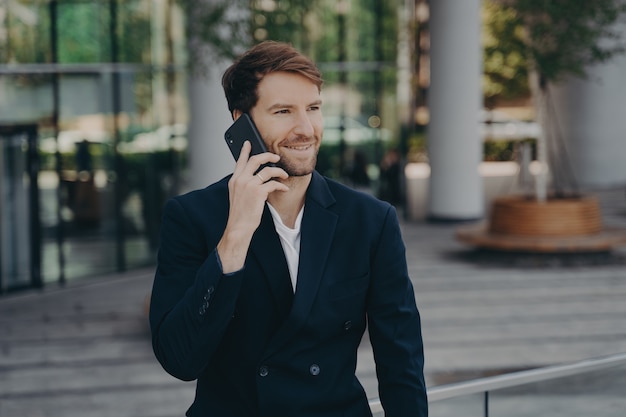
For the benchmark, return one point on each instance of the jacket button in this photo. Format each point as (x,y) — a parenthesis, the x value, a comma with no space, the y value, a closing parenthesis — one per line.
(264,371)
(209,293)
(314,369)
(202,310)
(347,325)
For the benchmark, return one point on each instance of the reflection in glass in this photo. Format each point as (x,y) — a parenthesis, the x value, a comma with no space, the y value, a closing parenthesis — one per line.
(111,137)
(15,242)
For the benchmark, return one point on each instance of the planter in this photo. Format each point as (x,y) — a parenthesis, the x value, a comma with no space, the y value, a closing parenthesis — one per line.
(518,223)
(521,216)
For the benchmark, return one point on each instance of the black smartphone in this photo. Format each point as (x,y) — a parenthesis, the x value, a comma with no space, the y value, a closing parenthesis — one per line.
(243,129)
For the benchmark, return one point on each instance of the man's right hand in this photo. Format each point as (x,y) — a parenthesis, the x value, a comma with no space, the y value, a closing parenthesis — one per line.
(248,193)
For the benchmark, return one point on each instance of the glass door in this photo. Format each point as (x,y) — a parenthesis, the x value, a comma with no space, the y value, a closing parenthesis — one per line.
(19,217)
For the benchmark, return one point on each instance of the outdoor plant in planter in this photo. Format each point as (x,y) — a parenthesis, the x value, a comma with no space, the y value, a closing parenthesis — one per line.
(557,38)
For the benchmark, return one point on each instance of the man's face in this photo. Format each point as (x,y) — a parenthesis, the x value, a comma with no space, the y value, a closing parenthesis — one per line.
(289,117)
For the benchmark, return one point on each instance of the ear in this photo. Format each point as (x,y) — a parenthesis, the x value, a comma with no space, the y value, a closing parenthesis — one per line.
(237,114)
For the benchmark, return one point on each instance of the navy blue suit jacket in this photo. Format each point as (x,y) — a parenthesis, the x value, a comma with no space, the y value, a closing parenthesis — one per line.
(258,349)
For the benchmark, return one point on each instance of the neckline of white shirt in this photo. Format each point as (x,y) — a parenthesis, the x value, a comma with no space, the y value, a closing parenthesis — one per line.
(279,222)
(290,242)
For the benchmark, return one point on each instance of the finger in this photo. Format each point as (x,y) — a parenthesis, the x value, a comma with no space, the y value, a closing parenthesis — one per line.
(257,161)
(259,176)
(269,172)
(271,186)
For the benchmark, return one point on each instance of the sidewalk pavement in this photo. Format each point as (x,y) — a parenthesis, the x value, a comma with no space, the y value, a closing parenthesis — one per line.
(84,350)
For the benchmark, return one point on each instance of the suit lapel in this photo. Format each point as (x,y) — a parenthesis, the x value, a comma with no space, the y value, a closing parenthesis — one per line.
(269,254)
(318,229)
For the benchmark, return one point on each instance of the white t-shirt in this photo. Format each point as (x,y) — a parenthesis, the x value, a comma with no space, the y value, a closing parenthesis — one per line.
(290,241)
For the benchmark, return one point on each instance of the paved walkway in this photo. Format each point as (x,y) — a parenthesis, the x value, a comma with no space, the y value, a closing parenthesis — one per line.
(85,350)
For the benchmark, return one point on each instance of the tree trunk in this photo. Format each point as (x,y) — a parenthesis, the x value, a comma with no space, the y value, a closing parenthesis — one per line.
(539,87)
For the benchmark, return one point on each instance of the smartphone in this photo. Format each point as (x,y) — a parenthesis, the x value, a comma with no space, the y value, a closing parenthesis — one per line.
(243,129)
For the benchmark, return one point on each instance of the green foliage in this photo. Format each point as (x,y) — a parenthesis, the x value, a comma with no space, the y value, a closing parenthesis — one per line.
(554,37)
(134,32)
(563,37)
(365,45)
(417,147)
(25,41)
(82,30)
(505,63)
(498,150)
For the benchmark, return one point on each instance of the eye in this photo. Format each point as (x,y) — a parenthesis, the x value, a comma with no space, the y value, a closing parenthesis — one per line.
(314,108)
(282,111)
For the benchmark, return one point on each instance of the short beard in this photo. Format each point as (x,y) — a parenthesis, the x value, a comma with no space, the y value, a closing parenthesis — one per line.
(297,171)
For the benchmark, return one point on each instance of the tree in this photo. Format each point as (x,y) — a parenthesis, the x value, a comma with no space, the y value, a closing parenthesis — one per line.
(505,65)
(560,38)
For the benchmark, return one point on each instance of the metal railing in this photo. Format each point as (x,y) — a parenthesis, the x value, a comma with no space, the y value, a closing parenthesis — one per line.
(515,379)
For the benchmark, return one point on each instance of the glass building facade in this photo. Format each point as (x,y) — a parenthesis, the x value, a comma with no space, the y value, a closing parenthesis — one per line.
(93,116)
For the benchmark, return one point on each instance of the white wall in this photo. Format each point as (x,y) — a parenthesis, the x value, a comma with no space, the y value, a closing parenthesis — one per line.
(592,115)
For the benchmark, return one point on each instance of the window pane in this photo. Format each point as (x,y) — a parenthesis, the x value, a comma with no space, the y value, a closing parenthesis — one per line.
(24,33)
(83,32)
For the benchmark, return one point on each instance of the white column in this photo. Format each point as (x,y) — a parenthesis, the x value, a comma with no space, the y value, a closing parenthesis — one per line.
(592,116)
(209,157)
(454,101)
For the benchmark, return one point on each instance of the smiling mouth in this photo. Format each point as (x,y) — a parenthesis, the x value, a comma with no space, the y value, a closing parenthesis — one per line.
(299,147)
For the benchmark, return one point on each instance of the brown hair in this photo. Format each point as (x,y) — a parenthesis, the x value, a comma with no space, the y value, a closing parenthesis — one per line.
(241,79)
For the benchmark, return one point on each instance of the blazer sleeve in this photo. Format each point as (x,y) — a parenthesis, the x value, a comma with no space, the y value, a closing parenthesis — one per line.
(192,302)
(394,327)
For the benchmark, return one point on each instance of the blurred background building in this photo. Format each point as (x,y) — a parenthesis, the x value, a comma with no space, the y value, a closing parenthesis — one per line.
(93,113)
(109,107)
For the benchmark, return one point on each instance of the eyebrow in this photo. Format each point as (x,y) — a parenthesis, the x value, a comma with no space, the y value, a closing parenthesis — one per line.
(289,106)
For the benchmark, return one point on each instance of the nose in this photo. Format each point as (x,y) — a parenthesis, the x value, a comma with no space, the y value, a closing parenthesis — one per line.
(304,124)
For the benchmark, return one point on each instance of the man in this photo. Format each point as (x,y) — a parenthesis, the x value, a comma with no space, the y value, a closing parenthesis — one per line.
(266,281)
